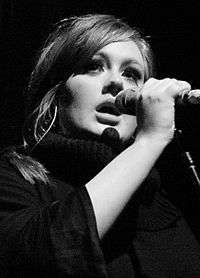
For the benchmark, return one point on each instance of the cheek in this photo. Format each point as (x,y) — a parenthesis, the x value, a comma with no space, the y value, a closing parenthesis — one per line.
(80,85)
(82,90)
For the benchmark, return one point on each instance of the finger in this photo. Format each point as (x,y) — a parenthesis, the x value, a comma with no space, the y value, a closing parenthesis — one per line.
(183,88)
(194,96)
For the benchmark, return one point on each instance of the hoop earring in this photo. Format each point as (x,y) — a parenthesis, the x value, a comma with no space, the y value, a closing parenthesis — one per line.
(46,130)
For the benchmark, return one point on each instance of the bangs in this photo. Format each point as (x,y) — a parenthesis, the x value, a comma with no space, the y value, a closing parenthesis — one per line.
(92,36)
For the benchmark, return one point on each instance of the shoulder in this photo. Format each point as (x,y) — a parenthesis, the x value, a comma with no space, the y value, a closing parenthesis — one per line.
(14,185)
(14,189)
(8,173)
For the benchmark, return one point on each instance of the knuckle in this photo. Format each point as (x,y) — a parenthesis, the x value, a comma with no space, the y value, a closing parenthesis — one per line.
(183,85)
(168,79)
(151,80)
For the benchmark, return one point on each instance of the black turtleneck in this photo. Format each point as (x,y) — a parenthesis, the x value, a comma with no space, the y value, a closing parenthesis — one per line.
(50,231)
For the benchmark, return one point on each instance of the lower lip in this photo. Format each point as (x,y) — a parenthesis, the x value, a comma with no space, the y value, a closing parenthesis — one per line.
(108,119)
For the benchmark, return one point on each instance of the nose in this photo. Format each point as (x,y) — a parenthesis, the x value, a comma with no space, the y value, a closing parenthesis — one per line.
(113,88)
(113,82)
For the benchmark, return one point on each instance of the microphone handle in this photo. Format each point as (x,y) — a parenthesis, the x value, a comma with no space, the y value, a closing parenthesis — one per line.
(126,100)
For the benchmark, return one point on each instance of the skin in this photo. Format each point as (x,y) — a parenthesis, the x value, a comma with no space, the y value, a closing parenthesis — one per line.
(120,64)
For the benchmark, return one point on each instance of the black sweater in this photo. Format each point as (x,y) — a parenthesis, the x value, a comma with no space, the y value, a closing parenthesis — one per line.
(50,230)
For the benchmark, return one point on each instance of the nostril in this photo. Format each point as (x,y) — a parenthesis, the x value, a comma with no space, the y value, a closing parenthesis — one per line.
(113,88)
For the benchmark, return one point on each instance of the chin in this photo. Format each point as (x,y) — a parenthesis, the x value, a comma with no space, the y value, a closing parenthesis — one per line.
(124,134)
(125,139)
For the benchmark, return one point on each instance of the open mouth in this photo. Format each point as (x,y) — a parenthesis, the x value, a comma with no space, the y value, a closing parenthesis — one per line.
(108,108)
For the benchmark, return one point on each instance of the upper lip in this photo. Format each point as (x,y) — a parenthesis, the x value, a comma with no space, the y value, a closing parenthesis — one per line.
(108,107)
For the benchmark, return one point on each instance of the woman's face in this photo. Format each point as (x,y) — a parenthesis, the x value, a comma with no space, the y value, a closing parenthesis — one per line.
(115,67)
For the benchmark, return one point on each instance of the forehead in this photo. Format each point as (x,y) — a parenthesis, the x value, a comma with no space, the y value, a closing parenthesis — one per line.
(122,51)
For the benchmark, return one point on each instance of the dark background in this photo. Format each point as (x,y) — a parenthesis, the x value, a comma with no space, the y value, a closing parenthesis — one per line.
(175,38)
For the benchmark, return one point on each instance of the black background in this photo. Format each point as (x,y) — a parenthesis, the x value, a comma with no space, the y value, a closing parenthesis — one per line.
(172,26)
(175,37)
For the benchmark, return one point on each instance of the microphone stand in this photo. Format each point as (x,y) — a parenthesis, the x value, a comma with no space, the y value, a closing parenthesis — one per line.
(192,214)
(189,162)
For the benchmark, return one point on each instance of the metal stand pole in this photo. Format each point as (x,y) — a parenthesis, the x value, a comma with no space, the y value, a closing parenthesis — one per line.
(188,160)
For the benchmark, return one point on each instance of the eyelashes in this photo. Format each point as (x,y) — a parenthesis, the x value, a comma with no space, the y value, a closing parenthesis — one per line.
(96,66)
(132,74)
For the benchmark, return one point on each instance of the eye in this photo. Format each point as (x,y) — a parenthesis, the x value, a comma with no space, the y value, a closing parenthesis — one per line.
(94,66)
(132,74)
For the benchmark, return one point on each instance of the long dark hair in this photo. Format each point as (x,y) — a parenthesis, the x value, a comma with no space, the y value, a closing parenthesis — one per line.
(71,44)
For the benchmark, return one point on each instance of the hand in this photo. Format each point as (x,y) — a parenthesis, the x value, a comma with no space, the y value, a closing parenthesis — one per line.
(155,107)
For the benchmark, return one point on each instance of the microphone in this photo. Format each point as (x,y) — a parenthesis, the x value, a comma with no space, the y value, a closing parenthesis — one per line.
(126,100)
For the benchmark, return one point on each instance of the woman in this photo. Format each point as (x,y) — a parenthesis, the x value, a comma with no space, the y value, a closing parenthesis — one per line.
(81,197)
